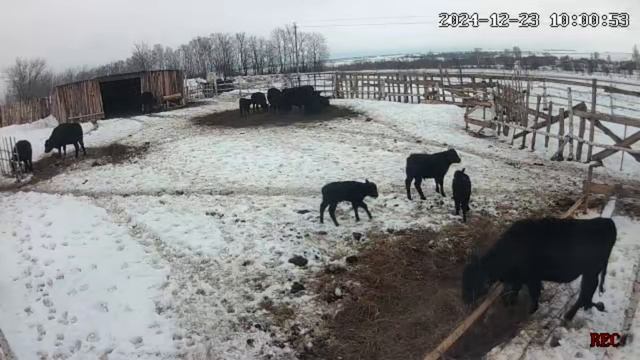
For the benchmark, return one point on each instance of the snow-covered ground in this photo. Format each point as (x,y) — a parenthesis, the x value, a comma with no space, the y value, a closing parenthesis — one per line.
(196,233)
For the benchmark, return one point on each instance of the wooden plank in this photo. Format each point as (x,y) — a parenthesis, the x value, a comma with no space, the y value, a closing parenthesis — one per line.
(613,136)
(546,139)
(561,131)
(618,119)
(626,143)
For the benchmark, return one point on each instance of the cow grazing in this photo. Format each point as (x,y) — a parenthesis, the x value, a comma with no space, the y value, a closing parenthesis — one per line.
(351,191)
(22,153)
(275,98)
(548,249)
(461,187)
(63,135)
(148,101)
(245,106)
(259,100)
(427,166)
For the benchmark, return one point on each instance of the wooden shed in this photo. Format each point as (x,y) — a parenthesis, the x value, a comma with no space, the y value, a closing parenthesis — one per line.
(115,95)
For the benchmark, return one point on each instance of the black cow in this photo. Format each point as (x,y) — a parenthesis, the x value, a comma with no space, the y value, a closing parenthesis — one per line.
(22,153)
(63,135)
(245,106)
(427,166)
(297,96)
(258,99)
(351,191)
(275,98)
(148,101)
(461,187)
(548,249)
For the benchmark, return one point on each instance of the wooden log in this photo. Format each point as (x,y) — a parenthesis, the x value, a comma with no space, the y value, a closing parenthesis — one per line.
(618,119)
(546,140)
(172,97)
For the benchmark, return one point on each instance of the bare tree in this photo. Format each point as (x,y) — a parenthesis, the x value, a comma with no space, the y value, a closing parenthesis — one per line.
(141,58)
(318,51)
(158,56)
(28,79)
(636,55)
(517,52)
(224,54)
(242,47)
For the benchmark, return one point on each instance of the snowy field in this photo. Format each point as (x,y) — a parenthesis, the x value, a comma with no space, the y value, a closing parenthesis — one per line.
(183,251)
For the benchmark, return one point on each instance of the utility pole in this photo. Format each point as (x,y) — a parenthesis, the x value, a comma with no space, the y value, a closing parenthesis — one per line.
(295,39)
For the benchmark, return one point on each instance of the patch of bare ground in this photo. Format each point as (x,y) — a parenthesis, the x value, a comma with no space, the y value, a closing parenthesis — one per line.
(233,119)
(401,296)
(52,164)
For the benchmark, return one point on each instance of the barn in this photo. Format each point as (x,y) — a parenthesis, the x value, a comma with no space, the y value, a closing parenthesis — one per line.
(115,95)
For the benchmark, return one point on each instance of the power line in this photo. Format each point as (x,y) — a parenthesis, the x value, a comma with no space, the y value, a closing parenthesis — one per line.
(372,18)
(369,24)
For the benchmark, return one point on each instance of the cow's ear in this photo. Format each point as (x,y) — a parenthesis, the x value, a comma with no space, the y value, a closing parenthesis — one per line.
(463,170)
(366,181)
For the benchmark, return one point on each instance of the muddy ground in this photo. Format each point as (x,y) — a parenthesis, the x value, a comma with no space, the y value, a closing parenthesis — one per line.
(52,164)
(233,119)
(401,296)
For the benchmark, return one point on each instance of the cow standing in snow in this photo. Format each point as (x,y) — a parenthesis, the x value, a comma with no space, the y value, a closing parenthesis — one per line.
(461,187)
(429,166)
(351,191)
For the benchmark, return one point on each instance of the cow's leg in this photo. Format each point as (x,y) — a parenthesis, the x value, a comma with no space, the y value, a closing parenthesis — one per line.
(84,151)
(464,215)
(64,147)
(355,210)
(441,181)
(418,182)
(332,212)
(323,207)
(510,293)
(588,287)
(457,206)
(366,208)
(75,146)
(437,185)
(535,288)
(407,184)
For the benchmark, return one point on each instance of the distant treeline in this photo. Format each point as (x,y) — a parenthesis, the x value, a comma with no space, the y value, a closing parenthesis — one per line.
(499,60)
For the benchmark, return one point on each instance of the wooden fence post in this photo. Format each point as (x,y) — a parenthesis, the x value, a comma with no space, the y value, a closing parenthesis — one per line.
(550,112)
(535,124)
(561,134)
(570,103)
(594,92)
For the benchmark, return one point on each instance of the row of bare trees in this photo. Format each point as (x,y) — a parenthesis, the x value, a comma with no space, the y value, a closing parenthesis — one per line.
(223,53)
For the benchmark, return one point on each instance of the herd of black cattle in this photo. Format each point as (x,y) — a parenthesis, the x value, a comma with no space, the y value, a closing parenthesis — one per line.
(529,252)
(303,97)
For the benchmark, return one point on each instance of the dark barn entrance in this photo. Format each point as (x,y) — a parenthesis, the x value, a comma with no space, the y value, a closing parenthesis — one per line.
(121,97)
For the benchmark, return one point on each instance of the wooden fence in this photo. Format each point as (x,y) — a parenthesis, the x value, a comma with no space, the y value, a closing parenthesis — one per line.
(24,112)
(523,106)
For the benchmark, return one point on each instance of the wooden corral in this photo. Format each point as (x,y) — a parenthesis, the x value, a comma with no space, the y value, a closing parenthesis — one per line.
(24,112)
(88,100)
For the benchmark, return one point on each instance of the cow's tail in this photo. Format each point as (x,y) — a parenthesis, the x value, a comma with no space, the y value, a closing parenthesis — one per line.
(603,273)
(613,237)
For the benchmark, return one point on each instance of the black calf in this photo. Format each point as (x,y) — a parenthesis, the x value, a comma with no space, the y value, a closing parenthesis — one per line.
(351,191)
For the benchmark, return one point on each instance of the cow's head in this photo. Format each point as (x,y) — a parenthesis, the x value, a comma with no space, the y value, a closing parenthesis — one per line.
(48,146)
(452,156)
(475,281)
(372,189)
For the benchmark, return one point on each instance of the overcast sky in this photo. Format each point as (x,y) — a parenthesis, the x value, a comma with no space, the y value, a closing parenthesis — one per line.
(91,32)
